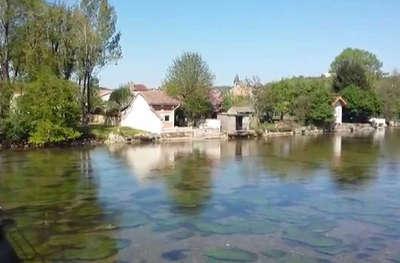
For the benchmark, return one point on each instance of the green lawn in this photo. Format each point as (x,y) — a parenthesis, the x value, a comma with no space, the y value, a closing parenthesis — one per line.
(101,132)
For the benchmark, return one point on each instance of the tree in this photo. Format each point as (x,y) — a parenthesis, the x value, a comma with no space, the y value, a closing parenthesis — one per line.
(189,79)
(47,112)
(388,90)
(320,110)
(306,99)
(361,104)
(356,67)
(99,43)
(120,99)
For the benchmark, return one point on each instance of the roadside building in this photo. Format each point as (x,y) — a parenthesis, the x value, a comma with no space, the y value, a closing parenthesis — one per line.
(152,111)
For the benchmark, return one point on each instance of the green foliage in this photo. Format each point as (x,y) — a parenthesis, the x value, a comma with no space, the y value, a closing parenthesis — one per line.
(388,90)
(320,108)
(101,132)
(49,132)
(121,97)
(355,67)
(306,99)
(189,79)
(47,112)
(70,41)
(361,104)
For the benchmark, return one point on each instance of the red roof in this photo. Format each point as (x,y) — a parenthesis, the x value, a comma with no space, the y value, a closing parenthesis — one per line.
(138,88)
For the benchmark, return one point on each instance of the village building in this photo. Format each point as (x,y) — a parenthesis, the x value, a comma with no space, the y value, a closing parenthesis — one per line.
(136,88)
(105,93)
(338,105)
(236,121)
(152,111)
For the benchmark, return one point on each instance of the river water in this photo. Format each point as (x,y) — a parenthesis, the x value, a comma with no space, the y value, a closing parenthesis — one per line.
(295,199)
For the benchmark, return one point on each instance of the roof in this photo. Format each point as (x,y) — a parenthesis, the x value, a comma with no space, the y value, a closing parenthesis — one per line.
(158,98)
(138,88)
(241,110)
(339,99)
(104,92)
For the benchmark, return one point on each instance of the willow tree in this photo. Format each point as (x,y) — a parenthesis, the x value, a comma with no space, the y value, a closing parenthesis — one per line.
(189,79)
(99,44)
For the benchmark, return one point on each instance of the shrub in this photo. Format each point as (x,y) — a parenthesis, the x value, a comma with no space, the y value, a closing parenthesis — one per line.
(47,112)
(361,104)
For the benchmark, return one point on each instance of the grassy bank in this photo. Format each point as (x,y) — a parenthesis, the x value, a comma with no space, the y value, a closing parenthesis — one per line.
(101,132)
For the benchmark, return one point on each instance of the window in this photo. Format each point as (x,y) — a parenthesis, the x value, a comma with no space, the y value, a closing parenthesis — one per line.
(166,118)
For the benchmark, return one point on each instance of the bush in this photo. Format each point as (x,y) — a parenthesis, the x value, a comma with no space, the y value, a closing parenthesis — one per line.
(47,112)
(361,104)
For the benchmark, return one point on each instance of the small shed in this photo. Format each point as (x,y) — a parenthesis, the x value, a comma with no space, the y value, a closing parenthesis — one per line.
(236,120)
(338,105)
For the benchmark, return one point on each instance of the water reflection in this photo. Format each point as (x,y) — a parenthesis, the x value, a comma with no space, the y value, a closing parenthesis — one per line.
(294,157)
(327,198)
(52,197)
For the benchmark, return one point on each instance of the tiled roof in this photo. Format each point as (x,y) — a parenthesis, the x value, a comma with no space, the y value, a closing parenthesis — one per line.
(241,110)
(104,92)
(138,88)
(159,98)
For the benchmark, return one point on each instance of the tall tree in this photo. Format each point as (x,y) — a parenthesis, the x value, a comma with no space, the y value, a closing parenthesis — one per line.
(356,67)
(99,43)
(190,79)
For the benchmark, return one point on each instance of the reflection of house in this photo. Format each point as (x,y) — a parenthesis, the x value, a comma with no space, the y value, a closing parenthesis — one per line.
(145,160)
(236,120)
(150,111)
(338,104)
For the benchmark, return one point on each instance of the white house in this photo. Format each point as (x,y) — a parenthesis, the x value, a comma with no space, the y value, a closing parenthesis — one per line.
(152,111)
(338,105)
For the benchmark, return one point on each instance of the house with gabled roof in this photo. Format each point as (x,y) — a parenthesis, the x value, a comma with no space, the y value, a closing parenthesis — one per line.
(151,110)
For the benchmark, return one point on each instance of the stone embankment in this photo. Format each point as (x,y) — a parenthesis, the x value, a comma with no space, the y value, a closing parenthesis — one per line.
(357,128)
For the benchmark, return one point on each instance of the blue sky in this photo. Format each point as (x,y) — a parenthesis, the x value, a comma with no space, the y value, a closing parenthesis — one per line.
(270,39)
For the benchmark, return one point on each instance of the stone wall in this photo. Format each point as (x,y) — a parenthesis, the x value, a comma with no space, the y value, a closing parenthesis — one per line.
(362,128)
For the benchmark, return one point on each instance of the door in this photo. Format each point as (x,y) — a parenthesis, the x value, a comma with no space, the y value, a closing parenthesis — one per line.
(239,123)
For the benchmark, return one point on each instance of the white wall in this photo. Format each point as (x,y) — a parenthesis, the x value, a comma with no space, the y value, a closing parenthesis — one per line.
(338,113)
(140,116)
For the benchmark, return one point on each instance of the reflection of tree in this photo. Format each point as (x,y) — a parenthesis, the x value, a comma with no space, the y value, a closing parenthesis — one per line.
(53,200)
(295,157)
(358,159)
(189,184)
(299,157)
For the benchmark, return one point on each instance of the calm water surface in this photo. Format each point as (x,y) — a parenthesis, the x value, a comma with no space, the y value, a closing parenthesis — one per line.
(302,199)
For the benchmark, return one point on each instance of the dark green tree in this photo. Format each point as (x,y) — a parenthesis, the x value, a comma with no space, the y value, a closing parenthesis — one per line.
(356,67)
(361,104)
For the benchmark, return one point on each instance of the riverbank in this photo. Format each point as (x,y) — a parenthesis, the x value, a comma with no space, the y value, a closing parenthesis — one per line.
(121,135)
